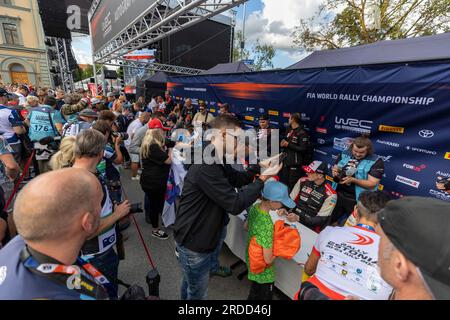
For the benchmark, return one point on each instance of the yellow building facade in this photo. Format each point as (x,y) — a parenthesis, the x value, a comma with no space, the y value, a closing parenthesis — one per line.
(23,54)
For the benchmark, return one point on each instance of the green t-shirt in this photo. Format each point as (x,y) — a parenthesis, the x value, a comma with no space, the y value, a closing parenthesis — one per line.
(260,225)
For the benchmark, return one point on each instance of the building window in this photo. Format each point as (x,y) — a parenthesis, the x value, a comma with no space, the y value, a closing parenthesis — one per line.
(6,2)
(11,33)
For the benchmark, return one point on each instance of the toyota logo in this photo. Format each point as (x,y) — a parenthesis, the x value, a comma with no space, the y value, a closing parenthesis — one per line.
(426,134)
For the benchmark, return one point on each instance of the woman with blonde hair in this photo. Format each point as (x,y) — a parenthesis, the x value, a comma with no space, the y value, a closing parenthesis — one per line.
(156,159)
(65,157)
(31,102)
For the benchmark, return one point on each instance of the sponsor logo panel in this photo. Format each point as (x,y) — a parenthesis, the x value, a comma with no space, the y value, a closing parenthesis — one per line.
(391,129)
(407,181)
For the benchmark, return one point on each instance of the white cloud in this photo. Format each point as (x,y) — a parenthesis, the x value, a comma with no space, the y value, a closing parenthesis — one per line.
(275,23)
(81,46)
(82,57)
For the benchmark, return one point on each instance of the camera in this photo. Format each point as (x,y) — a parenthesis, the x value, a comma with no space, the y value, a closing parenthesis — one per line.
(446,183)
(122,135)
(341,175)
(136,208)
(52,143)
(349,171)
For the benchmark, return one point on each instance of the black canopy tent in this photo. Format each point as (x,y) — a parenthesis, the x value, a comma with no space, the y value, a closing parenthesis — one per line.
(427,48)
(225,68)
(156,85)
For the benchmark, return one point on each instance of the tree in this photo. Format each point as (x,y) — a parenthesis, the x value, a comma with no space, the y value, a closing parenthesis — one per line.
(238,53)
(262,54)
(344,23)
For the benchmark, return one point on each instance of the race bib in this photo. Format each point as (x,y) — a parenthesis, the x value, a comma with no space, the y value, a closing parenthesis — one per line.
(106,240)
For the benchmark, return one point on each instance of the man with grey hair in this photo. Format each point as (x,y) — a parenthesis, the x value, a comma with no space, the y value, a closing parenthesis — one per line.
(41,262)
(414,252)
(99,249)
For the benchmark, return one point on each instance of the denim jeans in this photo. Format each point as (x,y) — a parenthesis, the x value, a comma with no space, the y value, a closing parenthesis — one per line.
(108,264)
(195,268)
(215,263)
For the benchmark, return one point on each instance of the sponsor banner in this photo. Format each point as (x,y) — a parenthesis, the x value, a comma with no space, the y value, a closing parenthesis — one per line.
(406,116)
(249,118)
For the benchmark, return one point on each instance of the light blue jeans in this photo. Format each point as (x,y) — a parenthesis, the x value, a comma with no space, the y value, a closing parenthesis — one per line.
(195,268)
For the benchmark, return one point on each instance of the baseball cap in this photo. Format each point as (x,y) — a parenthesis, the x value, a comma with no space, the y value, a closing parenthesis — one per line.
(172,118)
(95,101)
(111,94)
(276,191)
(3,92)
(316,167)
(419,228)
(88,113)
(155,123)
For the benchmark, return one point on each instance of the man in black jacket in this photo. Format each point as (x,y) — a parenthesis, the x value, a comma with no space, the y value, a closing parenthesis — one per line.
(297,147)
(208,194)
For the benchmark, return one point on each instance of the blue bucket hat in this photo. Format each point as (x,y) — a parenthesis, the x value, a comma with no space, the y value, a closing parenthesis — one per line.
(276,191)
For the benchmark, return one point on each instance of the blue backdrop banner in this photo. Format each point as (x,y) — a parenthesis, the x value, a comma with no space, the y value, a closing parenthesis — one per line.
(405,108)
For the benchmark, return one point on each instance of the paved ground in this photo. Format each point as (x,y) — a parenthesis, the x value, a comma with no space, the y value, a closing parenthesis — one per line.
(135,267)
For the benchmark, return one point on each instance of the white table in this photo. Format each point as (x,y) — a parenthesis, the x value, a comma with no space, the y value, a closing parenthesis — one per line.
(288,273)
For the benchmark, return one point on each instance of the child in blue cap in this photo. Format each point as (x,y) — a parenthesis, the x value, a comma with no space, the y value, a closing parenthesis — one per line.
(275,196)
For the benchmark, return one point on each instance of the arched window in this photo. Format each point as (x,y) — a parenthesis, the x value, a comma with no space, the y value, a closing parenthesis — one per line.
(17,67)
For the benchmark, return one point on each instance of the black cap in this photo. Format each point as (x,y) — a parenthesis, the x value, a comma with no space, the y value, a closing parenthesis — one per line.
(316,167)
(24,87)
(172,118)
(420,229)
(3,92)
(264,117)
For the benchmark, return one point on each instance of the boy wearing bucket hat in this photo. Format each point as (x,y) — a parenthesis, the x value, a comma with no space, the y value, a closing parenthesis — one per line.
(260,235)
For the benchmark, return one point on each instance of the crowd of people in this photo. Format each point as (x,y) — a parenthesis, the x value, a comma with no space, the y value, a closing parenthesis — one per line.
(68,245)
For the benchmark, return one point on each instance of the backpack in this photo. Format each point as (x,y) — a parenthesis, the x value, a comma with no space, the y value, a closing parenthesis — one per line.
(286,240)
(286,244)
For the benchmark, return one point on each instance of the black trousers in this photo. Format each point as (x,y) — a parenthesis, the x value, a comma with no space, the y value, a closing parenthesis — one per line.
(126,155)
(260,291)
(156,199)
(289,175)
(344,207)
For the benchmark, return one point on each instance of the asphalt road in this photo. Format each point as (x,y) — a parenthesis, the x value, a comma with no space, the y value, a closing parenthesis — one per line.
(134,268)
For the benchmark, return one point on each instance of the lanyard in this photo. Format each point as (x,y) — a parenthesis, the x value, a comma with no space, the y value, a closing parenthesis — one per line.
(365,226)
(82,277)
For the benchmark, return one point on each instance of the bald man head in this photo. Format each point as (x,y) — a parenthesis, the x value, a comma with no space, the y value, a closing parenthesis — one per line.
(59,205)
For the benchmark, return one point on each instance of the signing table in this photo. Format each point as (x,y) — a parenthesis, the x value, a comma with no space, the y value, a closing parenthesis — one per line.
(288,273)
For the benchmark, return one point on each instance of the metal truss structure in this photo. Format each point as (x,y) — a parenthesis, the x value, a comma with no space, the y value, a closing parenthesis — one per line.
(62,60)
(153,66)
(161,19)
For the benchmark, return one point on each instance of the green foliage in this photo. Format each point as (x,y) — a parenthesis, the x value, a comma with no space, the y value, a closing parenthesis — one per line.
(262,54)
(344,23)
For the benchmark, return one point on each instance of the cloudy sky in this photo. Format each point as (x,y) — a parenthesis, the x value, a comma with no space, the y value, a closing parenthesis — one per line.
(270,21)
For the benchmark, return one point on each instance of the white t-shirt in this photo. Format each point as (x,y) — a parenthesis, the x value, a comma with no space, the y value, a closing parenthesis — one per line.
(22,98)
(348,262)
(132,128)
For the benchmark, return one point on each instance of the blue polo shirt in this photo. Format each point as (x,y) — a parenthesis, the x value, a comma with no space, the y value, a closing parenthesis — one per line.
(18,283)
